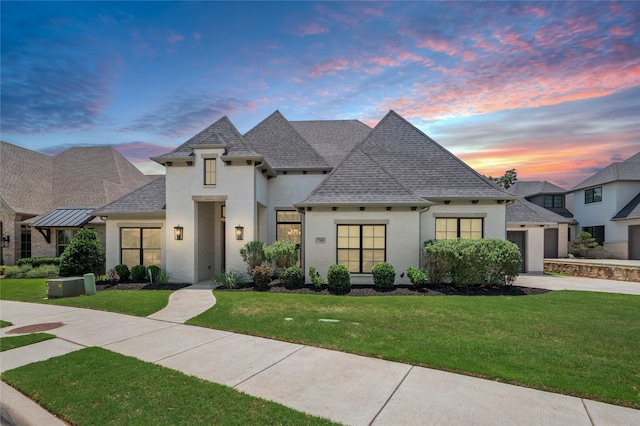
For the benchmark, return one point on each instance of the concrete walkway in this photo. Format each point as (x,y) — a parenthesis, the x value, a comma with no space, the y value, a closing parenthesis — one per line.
(187,303)
(346,388)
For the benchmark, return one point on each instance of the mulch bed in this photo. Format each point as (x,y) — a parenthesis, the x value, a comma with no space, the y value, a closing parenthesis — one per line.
(145,285)
(370,290)
(360,290)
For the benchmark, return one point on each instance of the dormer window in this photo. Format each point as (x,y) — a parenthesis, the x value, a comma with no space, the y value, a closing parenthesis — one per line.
(209,171)
(553,201)
(593,195)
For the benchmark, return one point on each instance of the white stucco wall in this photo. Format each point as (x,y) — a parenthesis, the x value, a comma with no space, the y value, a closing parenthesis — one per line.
(235,187)
(403,238)
(284,191)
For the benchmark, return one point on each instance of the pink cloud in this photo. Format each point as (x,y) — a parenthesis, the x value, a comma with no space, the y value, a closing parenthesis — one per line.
(175,38)
(621,32)
(330,67)
(312,29)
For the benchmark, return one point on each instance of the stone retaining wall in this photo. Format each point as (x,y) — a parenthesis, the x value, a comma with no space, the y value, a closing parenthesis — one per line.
(605,272)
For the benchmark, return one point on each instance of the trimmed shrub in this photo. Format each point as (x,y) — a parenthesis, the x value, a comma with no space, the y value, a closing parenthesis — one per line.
(253,254)
(384,275)
(229,279)
(339,279)
(123,272)
(262,276)
(418,277)
(83,255)
(38,261)
(155,270)
(28,271)
(465,262)
(139,273)
(316,279)
(281,255)
(584,245)
(293,277)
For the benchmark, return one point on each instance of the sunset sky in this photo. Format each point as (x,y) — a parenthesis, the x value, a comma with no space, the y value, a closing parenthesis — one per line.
(550,89)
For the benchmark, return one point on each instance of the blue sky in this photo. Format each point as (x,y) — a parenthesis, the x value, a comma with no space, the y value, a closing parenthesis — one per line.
(551,89)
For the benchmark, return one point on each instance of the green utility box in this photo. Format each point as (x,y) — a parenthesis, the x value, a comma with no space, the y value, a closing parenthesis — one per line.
(64,287)
(89,284)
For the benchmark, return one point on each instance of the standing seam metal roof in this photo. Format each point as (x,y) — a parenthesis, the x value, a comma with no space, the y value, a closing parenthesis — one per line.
(63,217)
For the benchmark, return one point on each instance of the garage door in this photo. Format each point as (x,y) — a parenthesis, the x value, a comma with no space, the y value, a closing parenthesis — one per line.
(551,243)
(634,242)
(518,238)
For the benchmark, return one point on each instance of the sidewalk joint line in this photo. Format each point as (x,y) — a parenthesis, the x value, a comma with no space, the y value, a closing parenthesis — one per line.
(269,366)
(587,411)
(391,395)
(197,346)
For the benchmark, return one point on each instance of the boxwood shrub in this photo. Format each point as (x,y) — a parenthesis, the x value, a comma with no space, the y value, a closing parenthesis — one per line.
(418,277)
(38,261)
(139,273)
(465,262)
(293,277)
(384,275)
(339,279)
(123,272)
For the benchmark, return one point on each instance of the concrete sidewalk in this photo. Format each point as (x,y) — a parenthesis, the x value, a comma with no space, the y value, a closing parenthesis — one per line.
(554,282)
(346,388)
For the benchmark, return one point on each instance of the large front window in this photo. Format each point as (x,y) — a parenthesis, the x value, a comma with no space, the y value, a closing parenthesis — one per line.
(209,171)
(593,195)
(140,246)
(360,247)
(450,228)
(25,242)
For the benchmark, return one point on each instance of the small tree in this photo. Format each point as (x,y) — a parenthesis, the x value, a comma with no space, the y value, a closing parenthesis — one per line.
(83,255)
(582,245)
(253,254)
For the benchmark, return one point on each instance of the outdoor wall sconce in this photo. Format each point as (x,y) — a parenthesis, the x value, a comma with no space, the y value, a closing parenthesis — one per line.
(239,232)
(5,241)
(178,232)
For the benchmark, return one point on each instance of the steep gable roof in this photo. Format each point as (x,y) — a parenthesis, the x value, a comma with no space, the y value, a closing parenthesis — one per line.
(221,133)
(523,211)
(628,170)
(332,139)
(398,156)
(531,188)
(150,198)
(282,146)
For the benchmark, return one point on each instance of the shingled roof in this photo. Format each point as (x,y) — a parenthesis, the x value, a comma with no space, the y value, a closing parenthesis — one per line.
(332,139)
(533,187)
(523,211)
(628,170)
(150,198)
(222,134)
(283,147)
(32,183)
(399,159)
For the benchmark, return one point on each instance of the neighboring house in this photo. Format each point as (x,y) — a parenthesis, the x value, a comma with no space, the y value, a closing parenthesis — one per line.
(343,191)
(45,199)
(558,227)
(606,206)
(538,232)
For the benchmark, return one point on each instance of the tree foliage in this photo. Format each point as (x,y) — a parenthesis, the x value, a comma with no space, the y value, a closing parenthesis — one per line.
(584,245)
(83,255)
(506,181)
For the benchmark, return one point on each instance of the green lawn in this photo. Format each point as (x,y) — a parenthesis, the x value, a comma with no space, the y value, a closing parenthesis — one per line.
(94,386)
(5,324)
(577,343)
(12,342)
(134,302)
